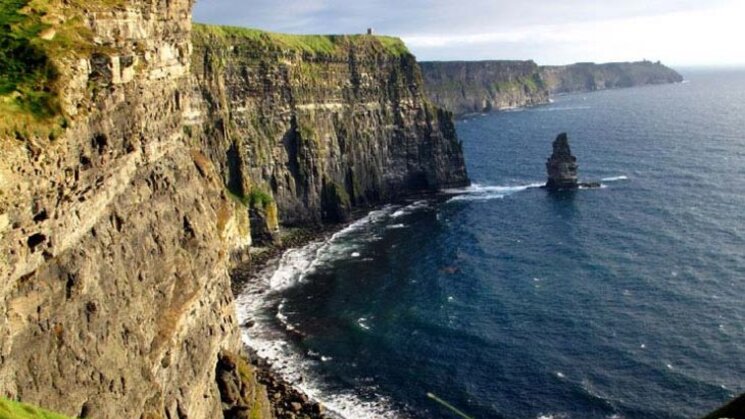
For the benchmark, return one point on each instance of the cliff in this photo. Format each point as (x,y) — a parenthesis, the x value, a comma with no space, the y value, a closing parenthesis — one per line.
(733,410)
(322,123)
(585,77)
(127,182)
(115,296)
(465,87)
(483,86)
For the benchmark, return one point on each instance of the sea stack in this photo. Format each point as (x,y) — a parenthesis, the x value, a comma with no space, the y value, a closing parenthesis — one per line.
(562,166)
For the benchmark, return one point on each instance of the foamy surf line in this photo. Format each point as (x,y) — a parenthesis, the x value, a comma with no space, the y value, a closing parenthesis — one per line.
(614,179)
(270,336)
(477,192)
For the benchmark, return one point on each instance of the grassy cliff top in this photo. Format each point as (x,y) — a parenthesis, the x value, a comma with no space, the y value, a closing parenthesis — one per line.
(36,38)
(15,410)
(311,44)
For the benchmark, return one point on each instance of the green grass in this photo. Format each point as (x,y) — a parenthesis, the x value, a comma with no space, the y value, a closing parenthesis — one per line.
(311,44)
(26,73)
(259,199)
(37,38)
(528,83)
(15,410)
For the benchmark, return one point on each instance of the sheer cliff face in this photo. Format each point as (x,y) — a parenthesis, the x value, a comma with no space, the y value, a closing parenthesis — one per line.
(584,77)
(483,86)
(323,123)
(114,297)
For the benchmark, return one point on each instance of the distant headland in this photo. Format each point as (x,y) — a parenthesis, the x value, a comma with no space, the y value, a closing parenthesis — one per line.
(466,87)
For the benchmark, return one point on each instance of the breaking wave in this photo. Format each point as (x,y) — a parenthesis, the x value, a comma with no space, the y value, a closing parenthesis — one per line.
(615,179)
(477,192)
(270,334)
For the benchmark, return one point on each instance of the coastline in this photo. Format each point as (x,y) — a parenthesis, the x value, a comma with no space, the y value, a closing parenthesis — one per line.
(286,400)
(290,397)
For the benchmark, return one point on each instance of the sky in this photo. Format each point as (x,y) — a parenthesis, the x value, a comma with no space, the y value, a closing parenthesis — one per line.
(677,32)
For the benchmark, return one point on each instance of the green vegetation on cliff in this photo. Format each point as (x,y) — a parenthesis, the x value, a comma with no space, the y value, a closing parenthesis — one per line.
(37,38)
(26,73)
(529,84)
(15,410)
(310,44)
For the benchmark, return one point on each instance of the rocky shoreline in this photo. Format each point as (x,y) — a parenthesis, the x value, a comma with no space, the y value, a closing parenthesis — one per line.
(286,401)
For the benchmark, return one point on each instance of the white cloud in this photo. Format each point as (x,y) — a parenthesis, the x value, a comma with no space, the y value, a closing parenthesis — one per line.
(548,31)
(712,36)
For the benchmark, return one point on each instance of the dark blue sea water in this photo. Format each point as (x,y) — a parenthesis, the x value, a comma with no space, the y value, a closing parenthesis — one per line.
(508,302)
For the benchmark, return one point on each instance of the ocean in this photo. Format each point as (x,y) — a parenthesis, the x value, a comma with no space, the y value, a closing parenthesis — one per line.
(506,301)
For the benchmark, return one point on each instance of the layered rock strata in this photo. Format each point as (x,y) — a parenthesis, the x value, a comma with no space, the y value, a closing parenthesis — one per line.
(115,296)
(322,123)
(466,87)
(116,234)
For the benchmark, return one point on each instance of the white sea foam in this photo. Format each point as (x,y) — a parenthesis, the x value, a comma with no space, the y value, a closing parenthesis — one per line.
(552,416)
(362,322)
(563,108)
(261,303)
(477,192)
(416,206)
(481,197)
(615,179)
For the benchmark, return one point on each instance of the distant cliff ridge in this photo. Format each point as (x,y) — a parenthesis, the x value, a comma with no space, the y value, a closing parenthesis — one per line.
(584,77)
(465,87)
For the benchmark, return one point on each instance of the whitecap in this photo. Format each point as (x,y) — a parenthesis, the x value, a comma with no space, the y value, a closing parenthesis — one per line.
(362,322)
(485,197)
(552,416)
(477,192)
(615,178)
(563,108)
(418,205)
(560,374)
